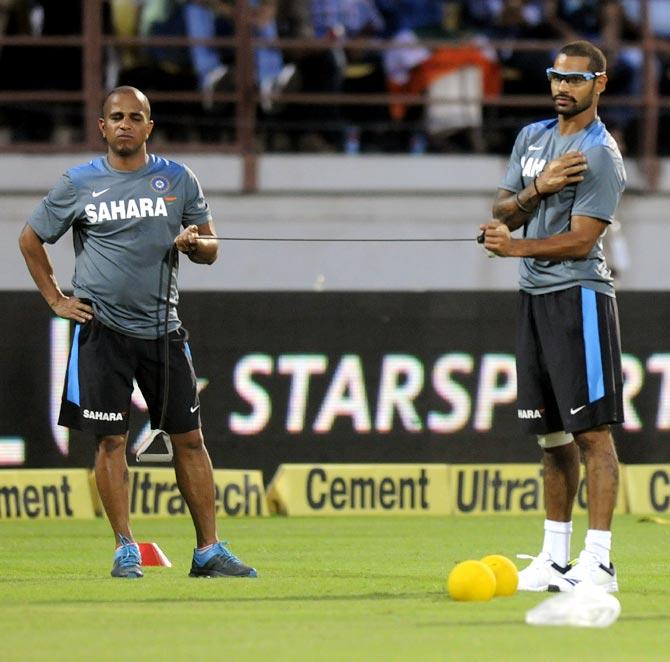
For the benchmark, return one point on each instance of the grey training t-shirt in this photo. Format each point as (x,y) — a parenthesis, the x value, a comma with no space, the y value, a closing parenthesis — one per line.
(596,196)
(123,226)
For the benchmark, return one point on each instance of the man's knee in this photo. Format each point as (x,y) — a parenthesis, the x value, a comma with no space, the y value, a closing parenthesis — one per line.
(112,443)
(554,439)
(600,436)
(189,441)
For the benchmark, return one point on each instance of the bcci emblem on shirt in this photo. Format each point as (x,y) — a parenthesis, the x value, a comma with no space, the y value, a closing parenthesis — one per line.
(160,184)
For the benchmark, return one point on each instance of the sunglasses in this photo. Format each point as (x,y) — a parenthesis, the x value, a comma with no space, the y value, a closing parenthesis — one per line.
(572,77)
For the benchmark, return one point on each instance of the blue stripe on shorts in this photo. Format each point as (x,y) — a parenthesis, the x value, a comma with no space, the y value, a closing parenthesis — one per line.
(73,369)
(594,364)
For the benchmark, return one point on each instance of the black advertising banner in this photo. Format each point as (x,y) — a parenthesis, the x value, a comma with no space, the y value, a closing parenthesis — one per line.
(336,377)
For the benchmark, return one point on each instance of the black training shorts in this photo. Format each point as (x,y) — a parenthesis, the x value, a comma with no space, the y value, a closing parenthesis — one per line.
(568,361)
(99,381)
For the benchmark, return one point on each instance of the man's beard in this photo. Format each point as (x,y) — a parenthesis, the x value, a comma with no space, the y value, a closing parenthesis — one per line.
(125,149)
(576,108)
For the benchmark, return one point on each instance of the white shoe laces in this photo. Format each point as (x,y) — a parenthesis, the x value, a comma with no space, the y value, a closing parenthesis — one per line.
(542,557)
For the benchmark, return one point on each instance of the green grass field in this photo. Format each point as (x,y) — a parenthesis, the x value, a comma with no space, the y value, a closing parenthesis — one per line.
(358,588)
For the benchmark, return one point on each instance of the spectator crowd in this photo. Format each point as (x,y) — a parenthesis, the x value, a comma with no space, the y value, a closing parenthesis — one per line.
(458,52)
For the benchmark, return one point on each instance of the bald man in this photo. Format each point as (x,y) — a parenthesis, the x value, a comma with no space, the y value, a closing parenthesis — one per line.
(127,210)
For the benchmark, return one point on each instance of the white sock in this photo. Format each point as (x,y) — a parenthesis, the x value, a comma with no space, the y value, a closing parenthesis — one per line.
(557,541)
(599,543)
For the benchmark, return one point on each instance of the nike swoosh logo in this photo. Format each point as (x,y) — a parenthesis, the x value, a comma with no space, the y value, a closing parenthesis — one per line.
(95,194)
(532,148)
(194,409)
(574,411)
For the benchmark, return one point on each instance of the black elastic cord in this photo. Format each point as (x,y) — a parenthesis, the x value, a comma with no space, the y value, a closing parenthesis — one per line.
(172,261)
(339,239)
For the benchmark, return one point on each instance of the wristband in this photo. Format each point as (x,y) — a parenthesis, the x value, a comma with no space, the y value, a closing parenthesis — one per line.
(519,205)
(537,190)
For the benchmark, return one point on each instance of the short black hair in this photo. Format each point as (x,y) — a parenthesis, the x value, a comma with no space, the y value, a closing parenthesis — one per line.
(127,89)
(597,59)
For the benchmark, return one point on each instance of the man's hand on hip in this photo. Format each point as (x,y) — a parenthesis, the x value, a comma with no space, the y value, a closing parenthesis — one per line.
(71,308)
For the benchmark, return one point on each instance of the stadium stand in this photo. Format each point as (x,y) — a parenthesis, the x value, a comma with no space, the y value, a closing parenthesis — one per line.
(369,76)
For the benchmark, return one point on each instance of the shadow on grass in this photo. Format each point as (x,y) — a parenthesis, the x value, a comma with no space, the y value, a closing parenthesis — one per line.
(248,599)
(332,574)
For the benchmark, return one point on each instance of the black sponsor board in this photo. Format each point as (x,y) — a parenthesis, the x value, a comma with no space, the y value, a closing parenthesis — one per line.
(341,377)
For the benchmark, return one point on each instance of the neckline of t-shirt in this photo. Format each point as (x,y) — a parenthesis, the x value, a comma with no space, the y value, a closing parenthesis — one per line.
(580,133)
(139,171)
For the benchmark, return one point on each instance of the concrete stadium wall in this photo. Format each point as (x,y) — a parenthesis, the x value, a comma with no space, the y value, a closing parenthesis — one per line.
(352,197)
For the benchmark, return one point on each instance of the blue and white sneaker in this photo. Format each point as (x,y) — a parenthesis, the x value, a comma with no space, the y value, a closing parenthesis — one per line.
(219,561)
(127,560)
(586,570)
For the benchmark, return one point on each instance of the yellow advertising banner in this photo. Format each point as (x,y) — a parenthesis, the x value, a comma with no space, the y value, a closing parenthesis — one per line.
(508,488)
(154,493)
(45,494)
(648,488)
(360,489)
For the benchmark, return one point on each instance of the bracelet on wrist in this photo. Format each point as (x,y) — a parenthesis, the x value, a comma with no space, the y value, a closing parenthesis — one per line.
(537,190)
(519,205)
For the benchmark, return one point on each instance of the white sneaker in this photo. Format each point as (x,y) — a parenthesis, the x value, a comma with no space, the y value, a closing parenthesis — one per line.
(540,573)
(587,569)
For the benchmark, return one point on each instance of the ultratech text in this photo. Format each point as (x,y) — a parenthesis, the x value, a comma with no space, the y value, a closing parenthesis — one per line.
(149,497)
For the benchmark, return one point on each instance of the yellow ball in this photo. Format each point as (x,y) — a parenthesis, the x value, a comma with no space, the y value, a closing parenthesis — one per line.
(471,581)
(507,576)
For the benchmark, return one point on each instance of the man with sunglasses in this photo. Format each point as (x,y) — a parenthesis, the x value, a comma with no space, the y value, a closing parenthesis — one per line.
(562,187)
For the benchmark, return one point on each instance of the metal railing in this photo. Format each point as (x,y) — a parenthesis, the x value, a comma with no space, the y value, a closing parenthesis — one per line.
(245,96)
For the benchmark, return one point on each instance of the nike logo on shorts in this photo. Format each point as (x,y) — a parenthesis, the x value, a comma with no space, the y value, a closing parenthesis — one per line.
(95,194)
(194,409)
(576,409)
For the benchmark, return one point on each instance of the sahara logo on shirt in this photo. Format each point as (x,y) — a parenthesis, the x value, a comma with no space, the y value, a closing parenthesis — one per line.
(531,166)
(121,210)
